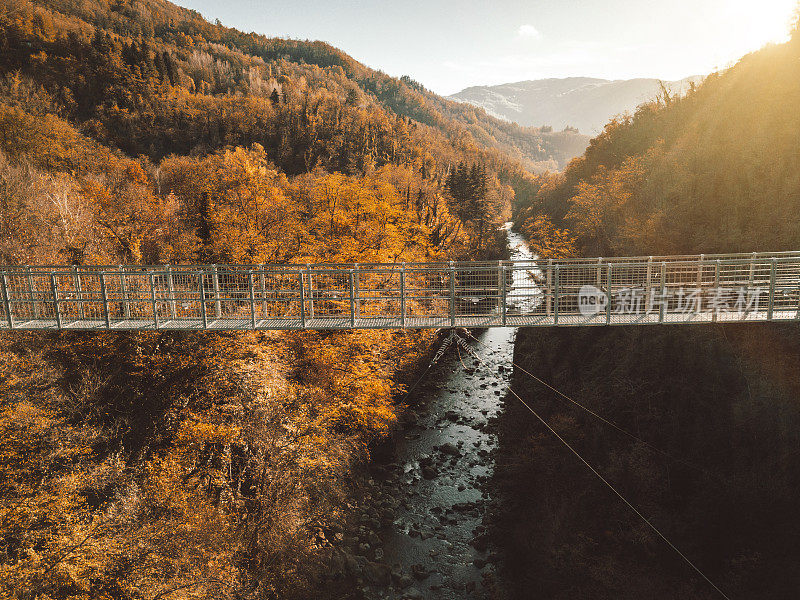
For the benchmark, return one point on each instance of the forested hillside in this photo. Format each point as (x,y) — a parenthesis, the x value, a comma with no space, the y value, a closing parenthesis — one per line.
(152,78)
(161,465)
(716,171)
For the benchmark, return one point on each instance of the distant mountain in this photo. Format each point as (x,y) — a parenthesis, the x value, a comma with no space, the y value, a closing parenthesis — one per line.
(582,102)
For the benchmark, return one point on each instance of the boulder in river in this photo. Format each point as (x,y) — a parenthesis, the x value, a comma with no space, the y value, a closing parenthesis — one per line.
(449,448)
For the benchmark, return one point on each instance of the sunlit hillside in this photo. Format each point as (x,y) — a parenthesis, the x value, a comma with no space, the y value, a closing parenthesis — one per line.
(715,171)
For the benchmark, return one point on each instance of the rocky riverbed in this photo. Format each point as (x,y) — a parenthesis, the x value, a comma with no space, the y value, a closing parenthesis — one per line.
(419,532)
(419,529)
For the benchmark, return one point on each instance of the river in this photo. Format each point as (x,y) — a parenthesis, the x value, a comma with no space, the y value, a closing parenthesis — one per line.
(422,535)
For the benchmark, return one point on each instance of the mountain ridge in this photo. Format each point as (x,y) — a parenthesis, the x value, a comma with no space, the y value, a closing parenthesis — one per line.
(585,103)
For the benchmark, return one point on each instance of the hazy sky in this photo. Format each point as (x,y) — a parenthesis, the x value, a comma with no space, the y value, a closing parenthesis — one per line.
(451,45)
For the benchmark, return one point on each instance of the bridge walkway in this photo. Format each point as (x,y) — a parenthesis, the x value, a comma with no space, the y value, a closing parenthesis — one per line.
(755,287)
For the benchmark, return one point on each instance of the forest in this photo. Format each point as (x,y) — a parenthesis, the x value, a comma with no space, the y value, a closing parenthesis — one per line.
(709,414)
(161,465)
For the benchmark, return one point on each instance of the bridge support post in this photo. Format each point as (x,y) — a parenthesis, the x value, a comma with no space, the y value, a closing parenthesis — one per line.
(104,294)
(31,292)
(173,308)
(310,293)
(76,279)
(503,294)
(500,274)
(700,266)
(715,313)
(403,297)
(201,284)
(355,286)
(662,308)
(556,277)
(549,291)
(217,301)
(263,281)
(301,277)
(123,286)
(252,299)
(648,285)
(772,272)
(7,301)
(153,299)
(452,295)
(56,308)
(352,281)
(609,295)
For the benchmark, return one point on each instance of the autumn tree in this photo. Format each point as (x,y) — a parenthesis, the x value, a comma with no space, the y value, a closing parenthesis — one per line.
(250,217)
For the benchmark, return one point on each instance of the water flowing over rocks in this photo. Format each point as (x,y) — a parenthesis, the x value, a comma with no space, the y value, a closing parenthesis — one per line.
(420,531)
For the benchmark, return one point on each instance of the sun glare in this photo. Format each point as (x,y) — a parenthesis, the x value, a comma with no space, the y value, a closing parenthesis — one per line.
(756,23)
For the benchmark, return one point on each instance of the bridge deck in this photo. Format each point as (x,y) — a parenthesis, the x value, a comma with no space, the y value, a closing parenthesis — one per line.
(621,291)
(395,323)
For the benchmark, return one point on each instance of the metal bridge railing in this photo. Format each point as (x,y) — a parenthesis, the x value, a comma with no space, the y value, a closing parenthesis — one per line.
(631,290)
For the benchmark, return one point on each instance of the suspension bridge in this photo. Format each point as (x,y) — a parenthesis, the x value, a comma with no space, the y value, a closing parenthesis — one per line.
(523,293)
